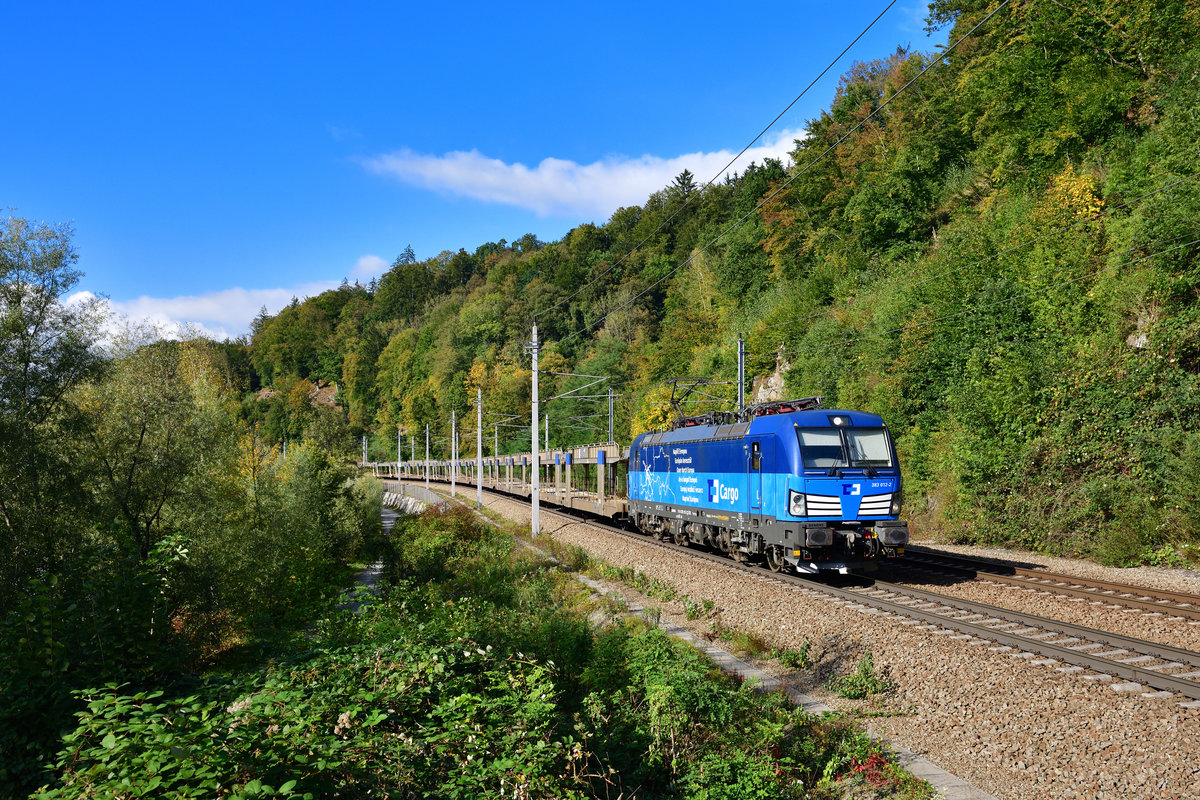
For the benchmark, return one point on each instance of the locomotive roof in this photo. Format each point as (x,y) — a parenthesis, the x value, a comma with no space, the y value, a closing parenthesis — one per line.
(770,423)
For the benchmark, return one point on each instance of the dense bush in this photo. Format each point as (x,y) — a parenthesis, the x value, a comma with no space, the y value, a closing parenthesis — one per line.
(184,536)
(464,681)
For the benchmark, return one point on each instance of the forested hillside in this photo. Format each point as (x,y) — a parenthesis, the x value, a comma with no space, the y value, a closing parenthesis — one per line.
(995,250)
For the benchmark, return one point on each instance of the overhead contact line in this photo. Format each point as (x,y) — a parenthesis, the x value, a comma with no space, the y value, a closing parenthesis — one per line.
(949,49)
(723,169)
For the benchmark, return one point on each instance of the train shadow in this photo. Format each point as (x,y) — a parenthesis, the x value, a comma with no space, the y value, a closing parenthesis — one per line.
(853,580)
(913,573)
(996,563)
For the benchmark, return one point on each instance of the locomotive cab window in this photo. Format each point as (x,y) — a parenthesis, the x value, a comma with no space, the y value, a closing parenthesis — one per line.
(868,447)
(821,448)
(844,448)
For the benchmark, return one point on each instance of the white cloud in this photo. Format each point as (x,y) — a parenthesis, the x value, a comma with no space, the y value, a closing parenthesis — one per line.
(560,187)
(221,314)
(367,267)
(341,134)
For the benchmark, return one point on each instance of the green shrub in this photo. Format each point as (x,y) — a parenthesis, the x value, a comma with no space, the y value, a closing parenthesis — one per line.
(1185,468)
(453,686)
(795,659)
(693,609)
(863,682)
(570,557)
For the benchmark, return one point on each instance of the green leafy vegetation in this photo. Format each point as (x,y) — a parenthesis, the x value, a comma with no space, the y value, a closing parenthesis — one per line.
(696,609)
(863,682)
(743,643)
(147,530)
(794,659)
(1001,261)
(465,679)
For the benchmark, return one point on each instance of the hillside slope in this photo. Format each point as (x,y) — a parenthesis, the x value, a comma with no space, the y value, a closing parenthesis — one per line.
(997,251)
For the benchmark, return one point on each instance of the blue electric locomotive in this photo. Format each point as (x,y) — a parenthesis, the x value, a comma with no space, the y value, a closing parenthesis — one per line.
(791,483)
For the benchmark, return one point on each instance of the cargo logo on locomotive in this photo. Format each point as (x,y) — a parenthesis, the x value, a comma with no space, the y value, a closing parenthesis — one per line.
(717,492)
(854,489)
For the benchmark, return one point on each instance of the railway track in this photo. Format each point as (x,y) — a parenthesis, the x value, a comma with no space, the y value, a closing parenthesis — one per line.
(1068,647)
(1176,604)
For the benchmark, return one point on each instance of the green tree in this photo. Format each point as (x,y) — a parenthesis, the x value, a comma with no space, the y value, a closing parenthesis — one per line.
(146,437)
(46,349)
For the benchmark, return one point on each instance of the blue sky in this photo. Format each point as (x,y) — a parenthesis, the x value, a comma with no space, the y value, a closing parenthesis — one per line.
(217,157)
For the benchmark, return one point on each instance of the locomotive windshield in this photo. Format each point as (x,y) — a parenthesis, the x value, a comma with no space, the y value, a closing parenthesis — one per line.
(846,448)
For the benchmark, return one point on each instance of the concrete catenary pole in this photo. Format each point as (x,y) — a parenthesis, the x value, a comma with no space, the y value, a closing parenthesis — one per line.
(478,447)
(427,456)
(534,484)
(453,448)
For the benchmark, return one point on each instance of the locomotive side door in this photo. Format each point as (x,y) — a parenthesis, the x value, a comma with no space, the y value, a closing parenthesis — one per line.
(762,459)
(755,466)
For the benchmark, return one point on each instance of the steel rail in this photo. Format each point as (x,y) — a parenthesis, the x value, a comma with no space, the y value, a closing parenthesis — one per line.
(1179,603)
(948,612)
(1114,663)
(1078,632)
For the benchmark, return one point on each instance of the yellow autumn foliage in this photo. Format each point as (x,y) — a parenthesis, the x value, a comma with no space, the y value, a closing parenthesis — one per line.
(1071,196)
(654,412)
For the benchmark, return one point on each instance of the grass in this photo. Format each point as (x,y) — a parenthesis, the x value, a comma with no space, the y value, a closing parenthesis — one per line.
(794,659)
(864,682)
(856,768)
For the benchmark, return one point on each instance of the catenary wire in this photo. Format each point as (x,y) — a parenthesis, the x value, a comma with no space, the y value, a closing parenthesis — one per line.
(949,49)
(720,172)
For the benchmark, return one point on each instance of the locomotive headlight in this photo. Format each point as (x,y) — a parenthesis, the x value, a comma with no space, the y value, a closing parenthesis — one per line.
(897,499)
(795,503)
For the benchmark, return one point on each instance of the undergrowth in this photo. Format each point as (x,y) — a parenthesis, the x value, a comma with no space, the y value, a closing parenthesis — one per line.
(863,682)
(466,680)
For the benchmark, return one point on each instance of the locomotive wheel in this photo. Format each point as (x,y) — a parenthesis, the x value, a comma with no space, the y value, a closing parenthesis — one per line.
(775,560)
(681,538)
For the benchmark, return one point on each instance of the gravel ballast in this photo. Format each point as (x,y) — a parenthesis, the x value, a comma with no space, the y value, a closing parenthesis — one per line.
(1154,626)
(1013,728)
